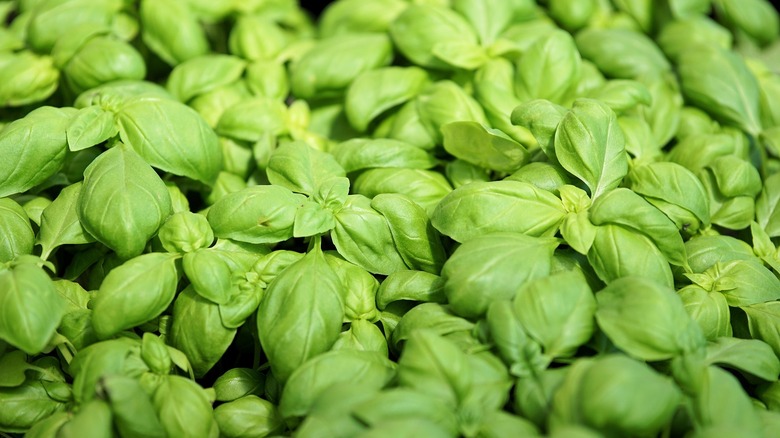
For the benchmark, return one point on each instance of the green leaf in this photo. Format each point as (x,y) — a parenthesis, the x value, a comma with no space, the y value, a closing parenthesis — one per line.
(674,190)
(485,207)
(425,187)
(307,287)
(249,413)
(202,74)
(590,145)
(171,136)
(131,407)
(627,209)
(375,91)
(542,118)
(429,316)
(12,368)
(301,168)
(615,394)
(522,355)
(493,267)
(549,69)
(362,369)
(30,307)
(312,219)
(410,286)
(197,331)
(709,309)
(135,292)
(768,206)
(60,223)
(257,214)
(723,405)
(433,365)
(338,61)
(171,30)
(719,82)
(362,336)
(744,282)
(557,311)
(238,382)
(253,119)
(92,125)
(621,53)
(122,202)
(358,291)
(27,78)
(646,319)
(484,147)
(748,355)
(363,153)
(405,403)
(363,236)
(762,322)
(421,27)
(33,148)
(619,252)
(416,240)
(183,407)
(16,229)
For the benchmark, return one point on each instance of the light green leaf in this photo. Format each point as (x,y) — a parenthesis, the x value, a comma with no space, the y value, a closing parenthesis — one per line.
(590,145)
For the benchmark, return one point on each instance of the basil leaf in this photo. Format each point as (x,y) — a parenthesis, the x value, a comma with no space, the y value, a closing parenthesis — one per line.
(674,190)
(60,223)
(560,322)
(621,53)
(301,168)
(719,82)
(197,331)
(375,91)
(153,127)
(412,286)
(748,355)
(420,27)
(484,147)
(249,413)
(92,125)
(549,69)
(15,226)
(30,307)
(618,252)
(504,261)
(417,241)
(497,206)
(338,60)
(425,187)
(307,287)
(762,322)
(767,203)
(360,153)
(646,319)
(171,31)
(34,148)
(590,145)
(257,214)
(365,370)
(183,407)
(122,202)
(199,75)
(363,236)
(709,309)
(625,208)
(433,365)
(135,292)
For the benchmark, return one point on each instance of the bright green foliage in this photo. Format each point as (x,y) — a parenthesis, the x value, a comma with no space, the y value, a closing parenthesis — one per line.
(435,218)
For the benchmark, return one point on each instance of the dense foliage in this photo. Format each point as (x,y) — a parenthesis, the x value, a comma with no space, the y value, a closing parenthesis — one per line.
(438,218)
